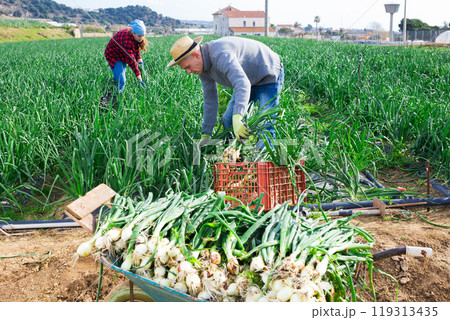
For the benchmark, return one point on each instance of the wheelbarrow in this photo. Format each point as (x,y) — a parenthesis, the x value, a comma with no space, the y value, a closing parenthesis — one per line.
(141,289)
(81,211)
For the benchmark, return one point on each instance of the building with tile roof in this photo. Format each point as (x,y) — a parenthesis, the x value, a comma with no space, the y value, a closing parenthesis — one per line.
(230,21)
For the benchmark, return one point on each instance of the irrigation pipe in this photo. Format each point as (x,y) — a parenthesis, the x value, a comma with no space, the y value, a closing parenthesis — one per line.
(445,201)
(372,179)
(410,251)
(440,187)
(38,224)
(350,212)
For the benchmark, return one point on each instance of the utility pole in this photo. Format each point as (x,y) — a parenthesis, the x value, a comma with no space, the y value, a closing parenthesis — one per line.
(404,25)
(266,20)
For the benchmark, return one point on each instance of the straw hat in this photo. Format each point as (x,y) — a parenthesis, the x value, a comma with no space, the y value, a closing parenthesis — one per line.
(182,48)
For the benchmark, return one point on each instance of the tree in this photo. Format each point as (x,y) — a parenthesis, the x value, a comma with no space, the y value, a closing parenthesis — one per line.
(17,14)
(285,31)
(316,20)
(376,26)
(414,24)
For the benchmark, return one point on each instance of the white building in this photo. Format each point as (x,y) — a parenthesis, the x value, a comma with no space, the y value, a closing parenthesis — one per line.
(230,21)
(57,24)
(194,31)
(296,31)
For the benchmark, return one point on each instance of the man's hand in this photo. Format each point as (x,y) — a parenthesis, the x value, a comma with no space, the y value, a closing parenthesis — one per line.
(204,139)
(240,129)
(143,84)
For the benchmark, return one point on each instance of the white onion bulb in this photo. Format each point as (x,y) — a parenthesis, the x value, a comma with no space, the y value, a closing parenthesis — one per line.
(126,264)
(215,257)
(185,267)
(173,252)
(257,264)
(285,293)
(181,287)
(165,282)
(277,285)
(232,289)
(85,249)
(100,243)
(204,295)
(193,282)
(127,233)
(172,274)
(160,272)
(114,234)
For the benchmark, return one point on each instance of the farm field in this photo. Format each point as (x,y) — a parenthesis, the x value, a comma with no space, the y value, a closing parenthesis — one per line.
(345,109)
(15,30)
(348,108)
(27,34)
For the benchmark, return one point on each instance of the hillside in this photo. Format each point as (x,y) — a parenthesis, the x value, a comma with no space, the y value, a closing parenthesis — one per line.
(47,9)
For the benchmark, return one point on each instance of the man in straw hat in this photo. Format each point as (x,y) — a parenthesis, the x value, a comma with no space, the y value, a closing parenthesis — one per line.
(248,66)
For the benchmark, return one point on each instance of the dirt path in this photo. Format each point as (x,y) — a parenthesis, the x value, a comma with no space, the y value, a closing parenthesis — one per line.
(56,277)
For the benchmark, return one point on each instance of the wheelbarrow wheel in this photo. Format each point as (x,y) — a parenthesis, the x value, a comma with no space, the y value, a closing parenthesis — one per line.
(121,293)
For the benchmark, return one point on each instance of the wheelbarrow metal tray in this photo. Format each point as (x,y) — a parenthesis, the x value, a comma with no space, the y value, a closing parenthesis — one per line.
(156,291)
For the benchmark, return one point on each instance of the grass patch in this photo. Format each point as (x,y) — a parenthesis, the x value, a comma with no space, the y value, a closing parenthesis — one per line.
(32,34)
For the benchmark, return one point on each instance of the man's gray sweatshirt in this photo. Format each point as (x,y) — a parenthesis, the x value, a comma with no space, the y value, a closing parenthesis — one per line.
(237,63)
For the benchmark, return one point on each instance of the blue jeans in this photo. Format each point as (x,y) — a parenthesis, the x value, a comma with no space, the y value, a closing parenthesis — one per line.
(119,74)
(268,97)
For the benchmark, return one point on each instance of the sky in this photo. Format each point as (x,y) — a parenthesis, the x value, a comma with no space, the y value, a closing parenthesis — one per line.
(337,14)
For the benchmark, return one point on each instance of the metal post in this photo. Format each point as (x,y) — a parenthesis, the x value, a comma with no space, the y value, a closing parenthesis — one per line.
(404,25)
(266,20)
(131,284)
(391,30)
(428,168)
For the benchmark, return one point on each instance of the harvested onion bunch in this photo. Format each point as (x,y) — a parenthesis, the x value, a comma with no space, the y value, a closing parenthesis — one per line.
(198,245)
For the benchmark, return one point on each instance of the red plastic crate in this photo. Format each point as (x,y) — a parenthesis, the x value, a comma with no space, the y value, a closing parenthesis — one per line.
(247,180)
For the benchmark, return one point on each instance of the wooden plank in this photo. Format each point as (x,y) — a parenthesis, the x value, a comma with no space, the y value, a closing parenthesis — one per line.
(377,203)
(88,222)
(92,200)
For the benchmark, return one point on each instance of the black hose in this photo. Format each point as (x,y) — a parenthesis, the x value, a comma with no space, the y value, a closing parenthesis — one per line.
(361,204)
(346,213)
(38,224)
(408,250)
(371,178)
(389,253)
(442,188)
(24,193)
